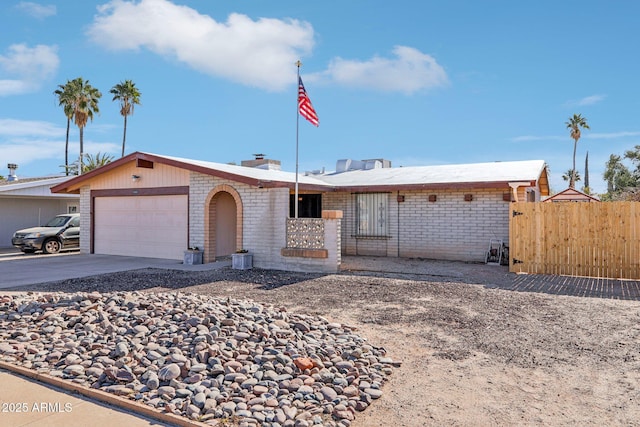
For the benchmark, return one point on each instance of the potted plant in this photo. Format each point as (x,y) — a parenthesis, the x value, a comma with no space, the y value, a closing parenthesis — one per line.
(192,256)
(241,260)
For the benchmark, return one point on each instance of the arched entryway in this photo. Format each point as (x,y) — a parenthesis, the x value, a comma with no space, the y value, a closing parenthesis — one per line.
(223,223)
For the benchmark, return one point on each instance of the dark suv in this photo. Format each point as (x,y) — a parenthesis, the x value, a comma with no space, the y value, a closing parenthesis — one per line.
(61,232)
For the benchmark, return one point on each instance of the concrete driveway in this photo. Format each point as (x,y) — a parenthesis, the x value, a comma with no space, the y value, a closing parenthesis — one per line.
(18,269)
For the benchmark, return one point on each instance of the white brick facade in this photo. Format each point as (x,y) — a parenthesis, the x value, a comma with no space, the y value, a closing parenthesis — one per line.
(85,219)
(264,214)
(437,223)
(449,228)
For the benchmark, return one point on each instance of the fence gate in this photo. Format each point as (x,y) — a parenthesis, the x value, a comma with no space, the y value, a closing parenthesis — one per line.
(575,239)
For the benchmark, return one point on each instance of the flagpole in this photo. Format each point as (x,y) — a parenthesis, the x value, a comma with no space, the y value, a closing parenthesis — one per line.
(295,201)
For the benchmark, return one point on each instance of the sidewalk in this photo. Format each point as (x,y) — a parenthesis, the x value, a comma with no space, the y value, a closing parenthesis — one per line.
(27,402)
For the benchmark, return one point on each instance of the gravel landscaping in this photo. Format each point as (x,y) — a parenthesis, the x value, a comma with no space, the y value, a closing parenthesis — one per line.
(382,349)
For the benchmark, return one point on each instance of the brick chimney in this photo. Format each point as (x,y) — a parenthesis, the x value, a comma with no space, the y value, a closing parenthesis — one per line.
(261,162)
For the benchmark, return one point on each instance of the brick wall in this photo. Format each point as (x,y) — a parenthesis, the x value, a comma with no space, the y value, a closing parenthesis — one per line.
(262,215)
(85,219)
(449,228)
(263,223)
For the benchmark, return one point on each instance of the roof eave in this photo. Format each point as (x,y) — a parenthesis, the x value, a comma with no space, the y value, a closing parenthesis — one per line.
(73,185)
(500,185)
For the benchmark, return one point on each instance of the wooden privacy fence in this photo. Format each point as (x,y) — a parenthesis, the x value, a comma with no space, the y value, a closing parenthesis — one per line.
(575,239)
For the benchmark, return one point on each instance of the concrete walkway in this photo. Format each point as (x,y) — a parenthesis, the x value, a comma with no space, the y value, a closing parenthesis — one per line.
(494,276)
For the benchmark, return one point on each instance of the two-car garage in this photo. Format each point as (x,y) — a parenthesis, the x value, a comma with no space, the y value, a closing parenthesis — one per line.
(154,226)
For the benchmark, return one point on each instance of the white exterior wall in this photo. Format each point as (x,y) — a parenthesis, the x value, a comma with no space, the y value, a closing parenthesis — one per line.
(344,202)
(264,214)
(17,213)
(449,228)
(199,187)
(85,219)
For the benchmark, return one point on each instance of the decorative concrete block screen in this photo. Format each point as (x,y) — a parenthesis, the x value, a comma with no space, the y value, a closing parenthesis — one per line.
(305,233)
(313,244)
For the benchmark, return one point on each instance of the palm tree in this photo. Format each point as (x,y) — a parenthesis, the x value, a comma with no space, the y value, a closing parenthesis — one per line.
(83,100)
(574,124)
(90,163)
(568,174)
(128,94)
(63,93)
(94,162)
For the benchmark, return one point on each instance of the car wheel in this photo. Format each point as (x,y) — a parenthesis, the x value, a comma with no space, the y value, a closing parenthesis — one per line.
(51,246)
(28,251)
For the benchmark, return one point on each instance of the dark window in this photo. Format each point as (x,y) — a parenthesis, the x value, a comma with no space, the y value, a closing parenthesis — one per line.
(309,206)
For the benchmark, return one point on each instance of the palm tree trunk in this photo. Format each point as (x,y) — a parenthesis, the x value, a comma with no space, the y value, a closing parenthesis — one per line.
(81,162)
(124,134)
(66,150)
(572,181)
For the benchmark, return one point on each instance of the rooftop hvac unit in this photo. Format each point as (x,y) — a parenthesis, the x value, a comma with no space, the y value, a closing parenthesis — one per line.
(343,165)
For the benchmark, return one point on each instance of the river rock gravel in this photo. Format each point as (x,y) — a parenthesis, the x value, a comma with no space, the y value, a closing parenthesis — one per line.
(208,359)
(479,346)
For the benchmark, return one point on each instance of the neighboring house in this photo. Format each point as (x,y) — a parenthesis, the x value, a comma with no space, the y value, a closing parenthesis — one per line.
(571,195)
(157,206)
(29,202)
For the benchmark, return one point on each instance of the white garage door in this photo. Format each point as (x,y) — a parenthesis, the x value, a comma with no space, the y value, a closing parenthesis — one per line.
(144,226)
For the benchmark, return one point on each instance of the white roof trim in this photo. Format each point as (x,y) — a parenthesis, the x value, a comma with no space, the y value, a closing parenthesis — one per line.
(34,188)
(249,172)
(516,171)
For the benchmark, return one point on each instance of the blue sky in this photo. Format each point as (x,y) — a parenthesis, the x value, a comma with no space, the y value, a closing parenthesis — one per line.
(418,83)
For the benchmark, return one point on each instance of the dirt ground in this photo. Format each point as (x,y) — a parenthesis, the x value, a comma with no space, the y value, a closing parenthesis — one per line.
(471,355)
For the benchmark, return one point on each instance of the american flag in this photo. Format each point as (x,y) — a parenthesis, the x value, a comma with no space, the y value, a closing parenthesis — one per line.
(304,105)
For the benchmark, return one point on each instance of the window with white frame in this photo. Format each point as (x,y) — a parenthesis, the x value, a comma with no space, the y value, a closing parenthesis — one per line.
(371,214)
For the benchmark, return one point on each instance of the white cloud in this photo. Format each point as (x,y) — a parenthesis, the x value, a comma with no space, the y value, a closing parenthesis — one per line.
(408,72)
(28,141)
(611,135)
(587,100)
(37,10)
(13,127)
(24,151)
(259,53)
(29,67)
